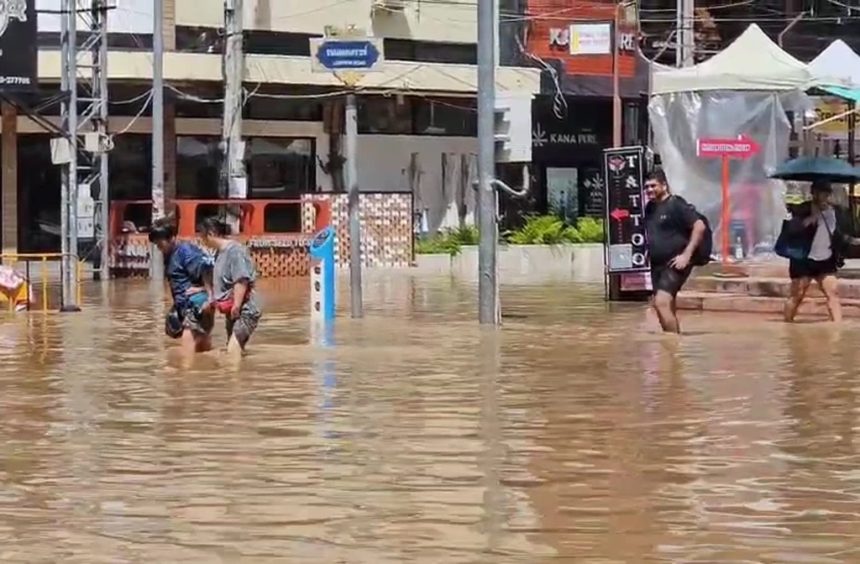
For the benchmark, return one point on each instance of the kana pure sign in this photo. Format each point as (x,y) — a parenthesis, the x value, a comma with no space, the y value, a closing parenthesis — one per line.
(348,55)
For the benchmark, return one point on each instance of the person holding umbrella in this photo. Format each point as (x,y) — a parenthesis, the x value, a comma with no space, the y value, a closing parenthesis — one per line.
(815,239)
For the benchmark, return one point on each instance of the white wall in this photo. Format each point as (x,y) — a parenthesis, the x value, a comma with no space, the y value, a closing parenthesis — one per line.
(129,16)
(454,21)
(404,163)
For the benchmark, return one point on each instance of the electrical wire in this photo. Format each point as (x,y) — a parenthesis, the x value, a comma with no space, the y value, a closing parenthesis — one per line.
(135,118)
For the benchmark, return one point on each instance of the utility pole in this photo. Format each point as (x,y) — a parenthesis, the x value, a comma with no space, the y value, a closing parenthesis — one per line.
(69,195)
(85,117)
(489,310)
(617,115)
(233,172)
(686,39)
(355,289)
(156,262)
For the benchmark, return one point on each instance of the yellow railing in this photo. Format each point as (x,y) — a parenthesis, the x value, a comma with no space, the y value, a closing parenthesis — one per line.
(12,259)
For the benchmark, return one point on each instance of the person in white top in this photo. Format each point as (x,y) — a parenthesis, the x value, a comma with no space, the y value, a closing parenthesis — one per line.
(817,223)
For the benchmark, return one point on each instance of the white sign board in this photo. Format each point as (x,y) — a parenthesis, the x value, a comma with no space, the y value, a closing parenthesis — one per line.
(86,211)
(591,38)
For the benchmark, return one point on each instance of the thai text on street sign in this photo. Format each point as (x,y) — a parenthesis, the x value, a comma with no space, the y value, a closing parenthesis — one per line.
(624,171)
(741,148)
(18,46)
(348,55)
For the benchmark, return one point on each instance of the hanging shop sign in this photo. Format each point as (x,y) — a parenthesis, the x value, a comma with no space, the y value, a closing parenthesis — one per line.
(593,38)
(623,175)
(18,46)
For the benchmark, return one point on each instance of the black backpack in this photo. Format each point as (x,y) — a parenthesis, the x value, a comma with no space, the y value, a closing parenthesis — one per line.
(702,254)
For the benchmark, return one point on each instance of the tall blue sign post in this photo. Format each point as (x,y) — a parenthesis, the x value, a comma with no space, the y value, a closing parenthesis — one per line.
(322,319)
(348,54)
(323,277)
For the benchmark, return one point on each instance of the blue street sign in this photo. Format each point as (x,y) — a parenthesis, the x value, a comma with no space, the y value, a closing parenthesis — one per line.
(348,54)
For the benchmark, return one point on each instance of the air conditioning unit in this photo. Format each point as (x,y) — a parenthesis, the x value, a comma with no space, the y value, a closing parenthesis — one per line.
(389,5)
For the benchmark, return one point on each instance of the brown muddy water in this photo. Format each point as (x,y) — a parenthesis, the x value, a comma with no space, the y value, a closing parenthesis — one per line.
(574,434)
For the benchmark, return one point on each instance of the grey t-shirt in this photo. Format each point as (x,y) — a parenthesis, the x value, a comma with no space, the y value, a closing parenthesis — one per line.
(233,263)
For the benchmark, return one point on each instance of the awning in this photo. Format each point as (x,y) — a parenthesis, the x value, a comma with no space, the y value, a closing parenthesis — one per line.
(396,76)
(852,94)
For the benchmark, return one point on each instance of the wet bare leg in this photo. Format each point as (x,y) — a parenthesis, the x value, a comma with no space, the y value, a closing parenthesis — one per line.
(202,343)
(799,286)
(189,343)
(830,286)
(664,305)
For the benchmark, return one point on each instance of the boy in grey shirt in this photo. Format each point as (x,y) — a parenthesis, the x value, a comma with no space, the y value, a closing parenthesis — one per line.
(233,279)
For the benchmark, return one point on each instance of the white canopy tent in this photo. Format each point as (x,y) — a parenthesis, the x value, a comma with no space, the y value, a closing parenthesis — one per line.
(746,89)
(752,62)
(839,61)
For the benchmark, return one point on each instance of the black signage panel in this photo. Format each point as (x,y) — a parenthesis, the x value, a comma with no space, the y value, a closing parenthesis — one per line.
(623,174)
(18,49)
(592,192)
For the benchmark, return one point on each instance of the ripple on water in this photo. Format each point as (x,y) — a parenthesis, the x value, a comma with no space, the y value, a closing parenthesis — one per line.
(575,433)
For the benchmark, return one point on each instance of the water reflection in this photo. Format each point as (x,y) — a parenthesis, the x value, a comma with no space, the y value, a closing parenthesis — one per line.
(575,433)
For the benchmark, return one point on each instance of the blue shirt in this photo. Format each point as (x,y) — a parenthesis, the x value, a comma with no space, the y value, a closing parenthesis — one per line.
(184,268)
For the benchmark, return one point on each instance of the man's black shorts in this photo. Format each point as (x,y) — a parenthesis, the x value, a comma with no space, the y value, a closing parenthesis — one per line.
(667,279)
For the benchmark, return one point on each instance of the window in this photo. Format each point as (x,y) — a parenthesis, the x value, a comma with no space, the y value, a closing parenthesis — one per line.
(38,196)
(200,101)
(280,168)
(130,165)
(431,52)
(454,117)
(199,39)
(198,167)
(385,115)
(307,109)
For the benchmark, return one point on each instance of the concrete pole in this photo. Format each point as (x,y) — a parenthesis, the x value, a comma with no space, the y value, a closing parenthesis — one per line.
(685,54)
(70,302)
(616,78)
(233,182)
(104,169)
(156,263)
(66,49)
(355,289)
(489,312)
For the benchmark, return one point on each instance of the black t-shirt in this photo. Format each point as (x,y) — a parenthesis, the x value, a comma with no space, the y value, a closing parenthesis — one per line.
(668,225)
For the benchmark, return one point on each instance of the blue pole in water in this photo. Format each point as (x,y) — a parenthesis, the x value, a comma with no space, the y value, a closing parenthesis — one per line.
(322,277)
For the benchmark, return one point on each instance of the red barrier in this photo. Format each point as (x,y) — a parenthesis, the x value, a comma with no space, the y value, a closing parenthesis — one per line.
(252,219)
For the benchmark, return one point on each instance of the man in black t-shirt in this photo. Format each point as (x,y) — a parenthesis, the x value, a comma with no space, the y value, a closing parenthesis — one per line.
(673,230)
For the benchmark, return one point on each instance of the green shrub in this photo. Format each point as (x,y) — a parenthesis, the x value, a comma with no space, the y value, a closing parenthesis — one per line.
(540,230)
(590,230)
(449,242)
(551,230)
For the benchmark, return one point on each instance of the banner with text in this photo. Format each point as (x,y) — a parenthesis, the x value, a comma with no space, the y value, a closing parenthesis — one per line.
(18,48)
(624,171)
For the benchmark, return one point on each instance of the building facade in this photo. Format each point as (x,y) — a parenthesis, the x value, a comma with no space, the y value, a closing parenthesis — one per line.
(572,118)
(417,115)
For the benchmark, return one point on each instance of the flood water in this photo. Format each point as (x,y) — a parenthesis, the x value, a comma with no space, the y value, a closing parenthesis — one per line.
(574,434)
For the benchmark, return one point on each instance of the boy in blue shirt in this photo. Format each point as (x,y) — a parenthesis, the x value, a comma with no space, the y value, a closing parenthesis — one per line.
(188,271)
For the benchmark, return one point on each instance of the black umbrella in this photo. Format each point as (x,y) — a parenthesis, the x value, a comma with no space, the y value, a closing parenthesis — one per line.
(810,169)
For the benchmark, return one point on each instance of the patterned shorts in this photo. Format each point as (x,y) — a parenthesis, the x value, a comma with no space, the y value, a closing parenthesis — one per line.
(199,323)
(242,328)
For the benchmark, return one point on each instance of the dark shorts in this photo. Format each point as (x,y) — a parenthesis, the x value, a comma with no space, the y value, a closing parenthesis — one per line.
(811,268)
(242,328)
(664,278)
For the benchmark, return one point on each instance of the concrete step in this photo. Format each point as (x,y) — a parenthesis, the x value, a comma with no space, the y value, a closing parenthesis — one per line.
(764,287)
(741,303)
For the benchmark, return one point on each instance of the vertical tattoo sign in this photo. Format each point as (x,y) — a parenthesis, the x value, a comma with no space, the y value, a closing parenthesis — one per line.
(625,206)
